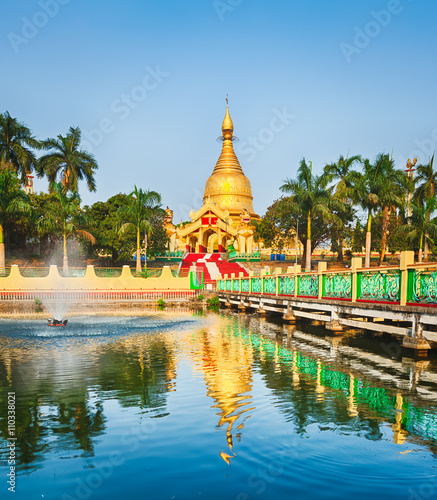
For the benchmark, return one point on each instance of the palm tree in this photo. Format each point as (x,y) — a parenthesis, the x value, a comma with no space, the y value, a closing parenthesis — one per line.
(391,185)
(367,199)
(64,216)
(12,201)
(15,140)
(427,179)
(428,176)
(420,226)
(137,215)
(380,186)
(71,163)
(310,197)
(342,171)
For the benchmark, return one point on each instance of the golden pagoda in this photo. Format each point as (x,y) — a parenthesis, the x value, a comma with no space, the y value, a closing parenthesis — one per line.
(227,210)
(228,187)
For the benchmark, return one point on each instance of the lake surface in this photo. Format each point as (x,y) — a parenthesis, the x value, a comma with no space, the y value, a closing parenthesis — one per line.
(180,405)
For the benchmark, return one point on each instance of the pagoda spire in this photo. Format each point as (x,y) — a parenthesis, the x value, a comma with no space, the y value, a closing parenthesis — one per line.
(227,125)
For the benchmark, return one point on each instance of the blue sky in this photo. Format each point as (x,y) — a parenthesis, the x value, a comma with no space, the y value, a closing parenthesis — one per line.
(146,82)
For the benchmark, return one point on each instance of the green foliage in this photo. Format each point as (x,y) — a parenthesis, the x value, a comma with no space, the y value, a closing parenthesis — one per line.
(200,297)
(161,302)
(213,301)
(310,197)
(13,202)
(358,238)
(426,180)
(141,208)
(420,228)
(64,216)
(104,221)
(68,162)
(278,226)
(157,241)
(15,140)
(38,305)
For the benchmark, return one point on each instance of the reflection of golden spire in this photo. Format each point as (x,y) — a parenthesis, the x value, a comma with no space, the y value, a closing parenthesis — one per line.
(226,365)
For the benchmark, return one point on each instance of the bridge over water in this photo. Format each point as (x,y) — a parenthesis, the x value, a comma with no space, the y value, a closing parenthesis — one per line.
(400,300)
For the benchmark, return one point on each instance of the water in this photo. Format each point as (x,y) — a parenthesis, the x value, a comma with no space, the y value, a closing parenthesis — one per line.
(181,406)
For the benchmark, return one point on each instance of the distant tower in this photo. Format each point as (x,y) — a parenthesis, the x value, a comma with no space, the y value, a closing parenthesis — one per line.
(410,173)
(28,188)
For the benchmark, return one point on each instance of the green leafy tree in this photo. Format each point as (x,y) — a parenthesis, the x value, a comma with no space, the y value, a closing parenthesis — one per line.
(426,179)
(367,198)
(157,242)
(103,222)
(16,144)
(395,241)
(24,226)
(137,214)
(391,188)
(344,177)
(68,162)
(420,227)
(310,196)
(358,238)
(284,219)
(380,187)
(63,214)
(13,201)
(426,189)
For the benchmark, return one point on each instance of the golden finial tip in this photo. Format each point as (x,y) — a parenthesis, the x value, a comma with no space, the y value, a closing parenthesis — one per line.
(227,125)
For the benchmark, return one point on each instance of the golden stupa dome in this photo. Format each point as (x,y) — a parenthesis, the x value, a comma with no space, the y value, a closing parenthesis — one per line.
(228,187)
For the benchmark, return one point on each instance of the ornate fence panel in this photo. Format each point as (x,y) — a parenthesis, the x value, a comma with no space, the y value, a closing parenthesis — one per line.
(337,286)
(236,285)
(308,285)
(256,285)
(286,285)
(228,285)
(269,285)
(422,286)
(379,286)
(245,285)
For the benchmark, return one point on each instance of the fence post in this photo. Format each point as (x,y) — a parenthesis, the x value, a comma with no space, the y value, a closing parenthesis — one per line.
(250,281)
(356,263)
(297,270)
(264,272)
(407,259)
(321,267)
(277,273)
